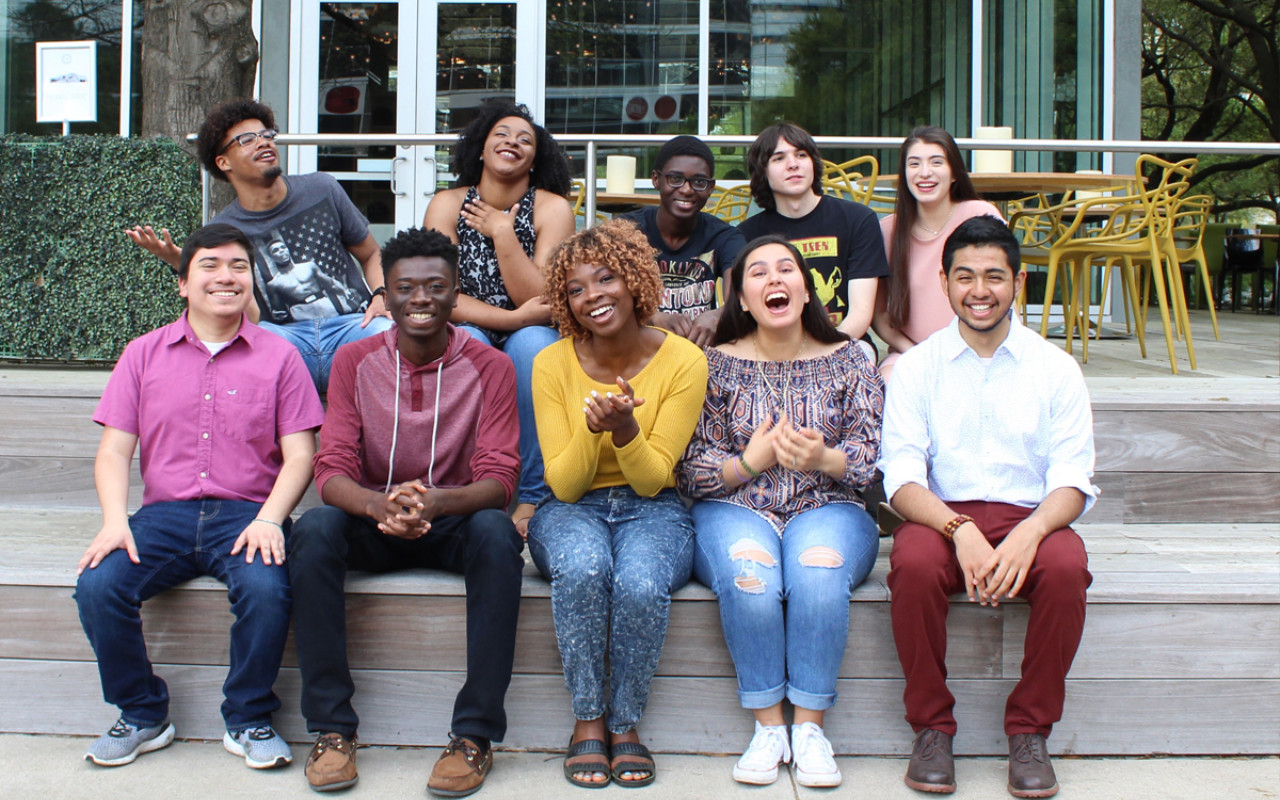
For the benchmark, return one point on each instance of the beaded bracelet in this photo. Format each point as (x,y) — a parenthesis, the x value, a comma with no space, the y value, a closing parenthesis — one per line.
(949,531)
(743,461)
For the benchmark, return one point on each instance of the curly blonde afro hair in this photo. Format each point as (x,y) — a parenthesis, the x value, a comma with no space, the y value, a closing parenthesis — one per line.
(617,244)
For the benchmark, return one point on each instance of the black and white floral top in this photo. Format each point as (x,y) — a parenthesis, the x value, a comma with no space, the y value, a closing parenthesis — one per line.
(478,272)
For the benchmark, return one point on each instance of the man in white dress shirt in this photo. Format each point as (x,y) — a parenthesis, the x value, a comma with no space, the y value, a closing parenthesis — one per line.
(987,452)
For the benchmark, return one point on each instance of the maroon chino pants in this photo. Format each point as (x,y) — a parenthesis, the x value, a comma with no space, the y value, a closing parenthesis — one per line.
(924,572)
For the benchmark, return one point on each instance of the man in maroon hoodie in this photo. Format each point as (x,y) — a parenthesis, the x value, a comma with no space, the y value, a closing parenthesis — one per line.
(418,462)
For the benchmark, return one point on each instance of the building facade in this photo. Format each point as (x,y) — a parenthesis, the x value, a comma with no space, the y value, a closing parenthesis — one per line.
(1047,68)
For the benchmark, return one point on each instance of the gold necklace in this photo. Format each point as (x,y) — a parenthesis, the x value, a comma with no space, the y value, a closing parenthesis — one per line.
(786,380)
(931,231)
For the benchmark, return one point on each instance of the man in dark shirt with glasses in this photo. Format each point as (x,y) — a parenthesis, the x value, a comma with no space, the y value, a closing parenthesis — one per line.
(694,247)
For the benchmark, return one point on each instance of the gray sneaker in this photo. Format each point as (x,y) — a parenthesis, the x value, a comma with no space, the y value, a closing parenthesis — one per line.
(261,747)
(125,742)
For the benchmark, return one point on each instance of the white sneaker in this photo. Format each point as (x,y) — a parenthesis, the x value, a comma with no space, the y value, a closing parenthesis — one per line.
(768,749)
(261,747)
(815,764)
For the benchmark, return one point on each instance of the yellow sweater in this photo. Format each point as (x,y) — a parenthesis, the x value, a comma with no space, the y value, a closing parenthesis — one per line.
(674,387)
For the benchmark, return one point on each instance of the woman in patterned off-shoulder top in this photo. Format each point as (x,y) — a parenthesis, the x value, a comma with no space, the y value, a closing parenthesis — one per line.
(789,433)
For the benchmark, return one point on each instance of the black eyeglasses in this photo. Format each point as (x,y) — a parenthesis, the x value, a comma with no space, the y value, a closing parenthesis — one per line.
(675,180)
(247,139)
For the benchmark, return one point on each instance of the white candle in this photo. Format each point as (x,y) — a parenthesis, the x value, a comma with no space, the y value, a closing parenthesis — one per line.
(993,160)
(620,175)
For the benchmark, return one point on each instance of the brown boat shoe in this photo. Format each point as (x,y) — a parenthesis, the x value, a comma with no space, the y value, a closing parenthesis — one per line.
(332,763)
(461,769)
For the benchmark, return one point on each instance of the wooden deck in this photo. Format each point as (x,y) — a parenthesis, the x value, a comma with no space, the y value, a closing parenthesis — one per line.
(1179,654)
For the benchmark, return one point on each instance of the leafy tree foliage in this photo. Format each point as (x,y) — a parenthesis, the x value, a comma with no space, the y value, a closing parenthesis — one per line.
(1211,72)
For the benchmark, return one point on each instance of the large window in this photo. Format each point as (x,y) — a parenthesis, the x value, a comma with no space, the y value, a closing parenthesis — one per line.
(25,22)
(1043,61)
(836,67)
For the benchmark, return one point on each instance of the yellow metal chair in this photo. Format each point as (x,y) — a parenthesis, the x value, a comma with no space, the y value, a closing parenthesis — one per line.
(1036,225)
(580,201)
(853,180)
(1171,183)
(1182,241)
(730,205)
(1126,229)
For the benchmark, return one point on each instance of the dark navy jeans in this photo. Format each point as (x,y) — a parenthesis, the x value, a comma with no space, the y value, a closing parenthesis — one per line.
(176,542)
(484,547)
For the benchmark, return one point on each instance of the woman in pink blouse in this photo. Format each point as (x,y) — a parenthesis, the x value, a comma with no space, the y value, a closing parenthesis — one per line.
(934,196)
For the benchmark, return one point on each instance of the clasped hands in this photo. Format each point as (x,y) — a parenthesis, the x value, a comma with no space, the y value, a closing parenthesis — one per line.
(406,511)
(992,573)
(783,443)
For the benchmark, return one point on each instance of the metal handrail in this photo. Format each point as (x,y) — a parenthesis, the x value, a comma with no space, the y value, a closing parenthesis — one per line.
(592,143)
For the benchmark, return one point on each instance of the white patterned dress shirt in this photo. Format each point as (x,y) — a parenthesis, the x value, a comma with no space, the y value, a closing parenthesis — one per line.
(1010,429)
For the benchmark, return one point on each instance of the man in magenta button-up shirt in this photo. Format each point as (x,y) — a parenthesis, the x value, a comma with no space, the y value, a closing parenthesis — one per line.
(224,415)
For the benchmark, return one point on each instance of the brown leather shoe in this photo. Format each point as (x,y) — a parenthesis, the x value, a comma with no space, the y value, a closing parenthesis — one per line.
(1030,773)
(932,769)
(461,769)
(332,763)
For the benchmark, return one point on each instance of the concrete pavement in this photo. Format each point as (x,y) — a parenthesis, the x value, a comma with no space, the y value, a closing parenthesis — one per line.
(51,768)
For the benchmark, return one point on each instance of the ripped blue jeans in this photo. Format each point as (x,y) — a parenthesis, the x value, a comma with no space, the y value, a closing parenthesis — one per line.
(613,559)
(784,602)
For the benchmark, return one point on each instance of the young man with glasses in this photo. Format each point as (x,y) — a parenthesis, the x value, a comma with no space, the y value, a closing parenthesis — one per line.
(839,239)
(309,214)
(694,247)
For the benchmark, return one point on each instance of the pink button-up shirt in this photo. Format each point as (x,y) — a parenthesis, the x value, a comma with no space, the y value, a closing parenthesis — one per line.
(209,426)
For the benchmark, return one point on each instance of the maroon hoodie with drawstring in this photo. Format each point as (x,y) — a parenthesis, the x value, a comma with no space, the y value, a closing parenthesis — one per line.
(466,433)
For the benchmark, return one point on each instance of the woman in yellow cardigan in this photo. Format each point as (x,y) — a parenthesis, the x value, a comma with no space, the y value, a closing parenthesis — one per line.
(616,402)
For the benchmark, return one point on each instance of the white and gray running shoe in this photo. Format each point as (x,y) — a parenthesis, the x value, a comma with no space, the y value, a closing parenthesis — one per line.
(125,742)
(261,747)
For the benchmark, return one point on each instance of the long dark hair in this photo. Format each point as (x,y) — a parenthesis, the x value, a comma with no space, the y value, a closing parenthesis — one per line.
(550,170)
(906,212)
(736,323)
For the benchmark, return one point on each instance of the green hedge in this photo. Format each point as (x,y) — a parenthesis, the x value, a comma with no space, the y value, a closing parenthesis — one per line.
(72,285)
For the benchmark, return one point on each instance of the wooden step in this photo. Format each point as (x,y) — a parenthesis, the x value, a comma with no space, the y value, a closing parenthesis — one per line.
(1178,653)
(1168,450)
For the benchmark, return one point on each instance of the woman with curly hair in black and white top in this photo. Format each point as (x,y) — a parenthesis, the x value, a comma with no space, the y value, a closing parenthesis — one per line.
(507,214)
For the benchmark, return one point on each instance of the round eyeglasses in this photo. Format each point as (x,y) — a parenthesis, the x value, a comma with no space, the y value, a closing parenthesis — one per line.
(675,180)
(249,137)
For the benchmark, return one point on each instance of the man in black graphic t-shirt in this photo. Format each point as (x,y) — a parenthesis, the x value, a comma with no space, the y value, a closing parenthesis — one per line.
(694,247)
(840,240)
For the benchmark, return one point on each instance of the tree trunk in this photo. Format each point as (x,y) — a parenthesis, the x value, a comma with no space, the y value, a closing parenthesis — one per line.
(195,54)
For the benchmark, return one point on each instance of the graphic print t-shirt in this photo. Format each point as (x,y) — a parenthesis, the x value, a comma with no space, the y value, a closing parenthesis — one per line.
(302,268)
(840,241)
(689,274)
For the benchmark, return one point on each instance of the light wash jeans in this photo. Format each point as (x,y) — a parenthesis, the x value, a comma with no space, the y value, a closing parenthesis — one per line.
(784,603)
(318,339)
(613,559)
(521,346)
(178,541)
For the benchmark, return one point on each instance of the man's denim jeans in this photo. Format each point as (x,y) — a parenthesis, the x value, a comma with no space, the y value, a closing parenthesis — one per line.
(176,542)
(784,602)
(613,559)
(318,339)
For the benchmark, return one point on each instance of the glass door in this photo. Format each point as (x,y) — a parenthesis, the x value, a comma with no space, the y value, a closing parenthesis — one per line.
(388,67)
